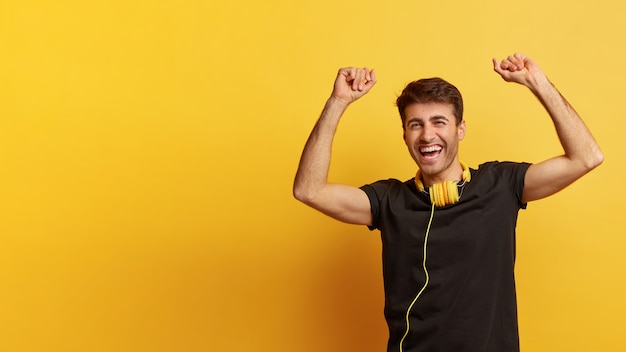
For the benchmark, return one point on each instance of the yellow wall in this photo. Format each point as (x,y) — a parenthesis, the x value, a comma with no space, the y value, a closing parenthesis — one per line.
(148,150)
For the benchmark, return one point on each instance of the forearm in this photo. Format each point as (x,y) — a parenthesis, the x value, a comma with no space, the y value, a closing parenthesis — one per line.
(582,153)
(314,165)
(577,141)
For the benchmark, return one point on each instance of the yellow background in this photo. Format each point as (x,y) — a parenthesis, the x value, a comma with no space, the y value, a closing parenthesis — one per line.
(147,152)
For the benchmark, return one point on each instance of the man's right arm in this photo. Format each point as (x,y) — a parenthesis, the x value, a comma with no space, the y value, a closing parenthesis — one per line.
(345,203)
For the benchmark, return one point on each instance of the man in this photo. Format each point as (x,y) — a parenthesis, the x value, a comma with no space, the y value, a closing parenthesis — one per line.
(448,234)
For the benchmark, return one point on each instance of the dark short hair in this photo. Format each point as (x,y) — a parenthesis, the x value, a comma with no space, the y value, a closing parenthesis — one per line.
(430,90)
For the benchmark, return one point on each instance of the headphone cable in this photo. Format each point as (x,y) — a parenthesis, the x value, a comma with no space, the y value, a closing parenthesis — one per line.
(408,311)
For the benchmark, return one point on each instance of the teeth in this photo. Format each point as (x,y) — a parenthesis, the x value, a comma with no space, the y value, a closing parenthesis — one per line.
(433,148)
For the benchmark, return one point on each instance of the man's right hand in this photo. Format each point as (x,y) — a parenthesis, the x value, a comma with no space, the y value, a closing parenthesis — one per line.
(352,83)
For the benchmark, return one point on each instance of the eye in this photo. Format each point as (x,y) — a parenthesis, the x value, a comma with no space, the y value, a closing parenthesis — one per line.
(414,124)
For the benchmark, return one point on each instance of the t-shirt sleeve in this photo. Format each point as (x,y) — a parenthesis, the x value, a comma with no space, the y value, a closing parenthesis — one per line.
(376,192)
(514,173)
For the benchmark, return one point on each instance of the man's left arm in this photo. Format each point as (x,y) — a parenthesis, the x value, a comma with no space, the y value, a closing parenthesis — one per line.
(582,153)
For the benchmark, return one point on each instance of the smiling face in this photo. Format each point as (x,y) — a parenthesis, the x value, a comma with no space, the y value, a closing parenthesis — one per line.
(432,136)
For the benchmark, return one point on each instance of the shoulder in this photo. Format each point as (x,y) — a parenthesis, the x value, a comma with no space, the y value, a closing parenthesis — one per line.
(389,185)
(503,168)
(390,190)
(391,197)
(501,177)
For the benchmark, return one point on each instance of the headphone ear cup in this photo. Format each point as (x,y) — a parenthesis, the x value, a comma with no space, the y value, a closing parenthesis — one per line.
(453,192)
(442,194)
(445,193)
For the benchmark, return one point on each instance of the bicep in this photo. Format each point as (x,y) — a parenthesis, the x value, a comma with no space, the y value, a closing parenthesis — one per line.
(344,203)
(549,177)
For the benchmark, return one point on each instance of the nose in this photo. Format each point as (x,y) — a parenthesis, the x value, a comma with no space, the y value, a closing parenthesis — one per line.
(428,134)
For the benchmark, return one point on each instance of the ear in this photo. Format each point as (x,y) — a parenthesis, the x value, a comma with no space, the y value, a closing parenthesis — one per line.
(460,130)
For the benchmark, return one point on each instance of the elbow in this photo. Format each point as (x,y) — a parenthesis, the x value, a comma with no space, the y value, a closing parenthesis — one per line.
(590,161)
(595,160)
(600,159)
(301,194)
(308,194)
(298,193)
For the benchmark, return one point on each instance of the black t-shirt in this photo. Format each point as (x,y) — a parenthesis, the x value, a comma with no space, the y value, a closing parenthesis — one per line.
(468,302)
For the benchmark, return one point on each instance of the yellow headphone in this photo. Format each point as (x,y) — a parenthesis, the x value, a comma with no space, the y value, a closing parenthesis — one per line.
(445,193)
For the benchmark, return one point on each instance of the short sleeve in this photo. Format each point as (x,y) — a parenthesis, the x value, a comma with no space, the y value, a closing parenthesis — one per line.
(513,174)
(377,193)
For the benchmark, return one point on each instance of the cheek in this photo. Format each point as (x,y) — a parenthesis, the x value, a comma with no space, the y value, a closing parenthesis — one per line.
(406,137)
(410,139)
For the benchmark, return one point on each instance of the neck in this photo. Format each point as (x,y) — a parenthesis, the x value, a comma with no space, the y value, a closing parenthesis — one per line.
(460,172)
(454,173)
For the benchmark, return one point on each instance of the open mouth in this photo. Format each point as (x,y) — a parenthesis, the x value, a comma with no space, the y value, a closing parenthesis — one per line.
(431,151)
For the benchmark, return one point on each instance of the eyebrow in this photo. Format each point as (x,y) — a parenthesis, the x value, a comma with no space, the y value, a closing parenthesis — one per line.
(432,118)
(438,117)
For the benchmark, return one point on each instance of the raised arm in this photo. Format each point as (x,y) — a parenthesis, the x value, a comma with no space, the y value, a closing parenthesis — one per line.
(582,153)
(345,203)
